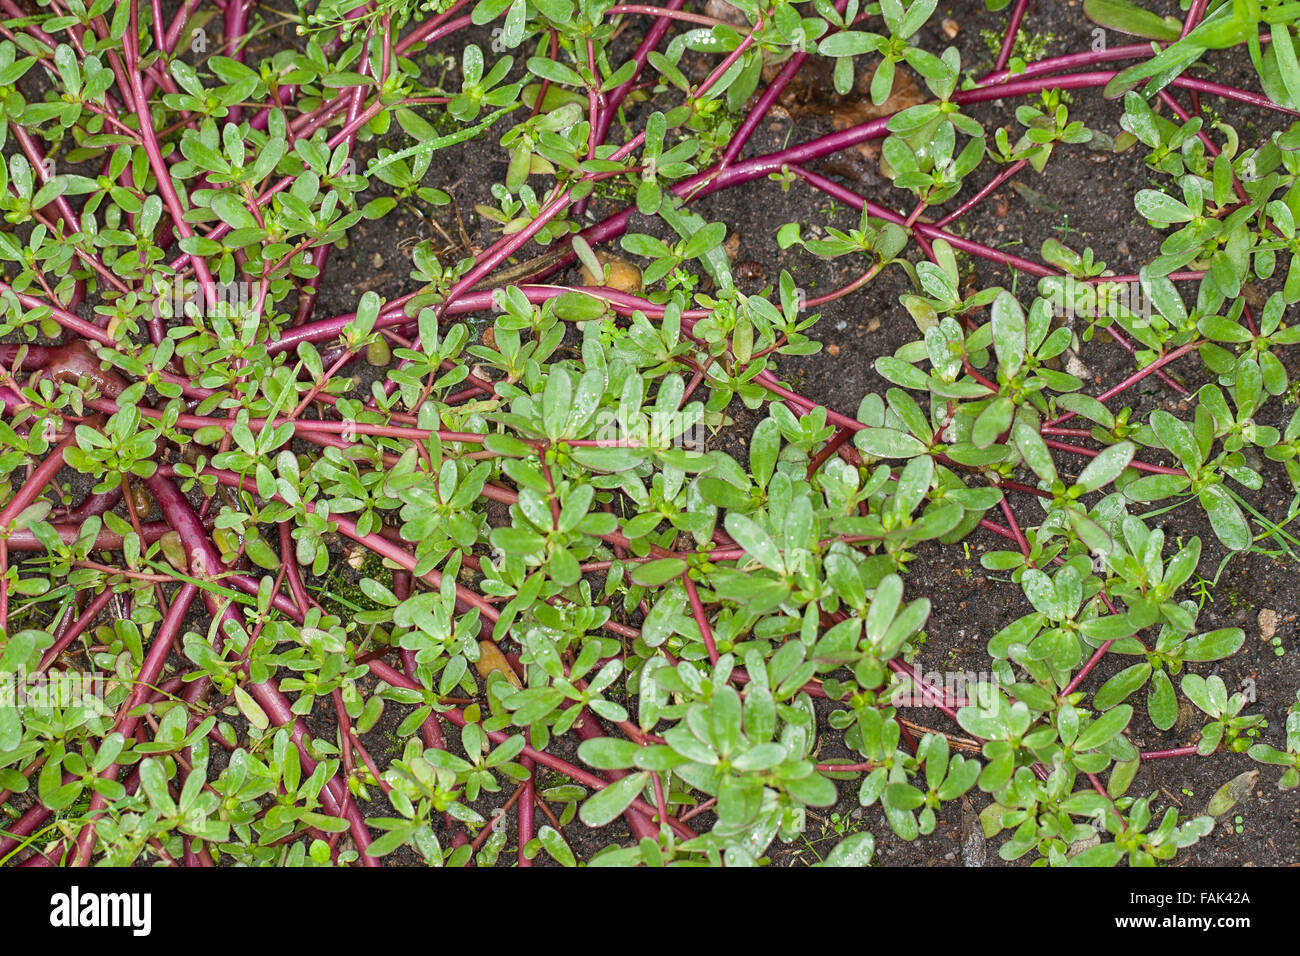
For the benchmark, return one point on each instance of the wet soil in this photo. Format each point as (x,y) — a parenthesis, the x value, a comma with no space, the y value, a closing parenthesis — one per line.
(1083,199)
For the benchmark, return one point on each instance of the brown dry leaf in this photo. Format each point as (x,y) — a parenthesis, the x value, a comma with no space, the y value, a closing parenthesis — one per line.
(491,659)
(905,93)
(861,110)
(812,93)
(374,282)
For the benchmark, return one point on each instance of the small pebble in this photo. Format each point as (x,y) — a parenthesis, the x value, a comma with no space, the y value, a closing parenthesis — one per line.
(1267,624)
(620,275)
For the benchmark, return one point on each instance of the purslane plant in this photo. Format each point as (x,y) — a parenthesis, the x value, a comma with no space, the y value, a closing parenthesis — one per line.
(545,551)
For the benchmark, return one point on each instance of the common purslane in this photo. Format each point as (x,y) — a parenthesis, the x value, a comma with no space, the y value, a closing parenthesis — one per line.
(572,609)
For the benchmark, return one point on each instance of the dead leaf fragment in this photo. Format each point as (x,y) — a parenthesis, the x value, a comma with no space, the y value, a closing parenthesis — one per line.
(491,659)
(812,93)
(974,848)
(1039,201)
(1232,793)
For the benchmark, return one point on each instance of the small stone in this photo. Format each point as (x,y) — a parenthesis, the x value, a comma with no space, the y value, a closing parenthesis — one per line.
(1267,624)
(377,261)
(620,275)
(833,349)
(732,246)
(950,28)
(873,325)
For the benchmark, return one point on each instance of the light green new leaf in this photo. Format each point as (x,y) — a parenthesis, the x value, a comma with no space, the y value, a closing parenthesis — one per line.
(1008,333)
(1101,730)
(604,806)
(1106,467)
(756,542)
